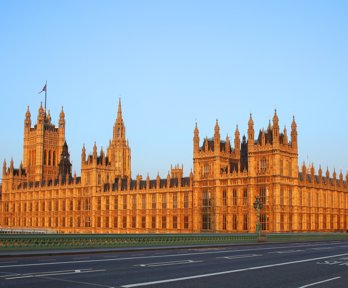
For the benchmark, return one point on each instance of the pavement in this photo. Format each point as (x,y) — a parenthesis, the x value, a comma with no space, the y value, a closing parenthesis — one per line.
(312,264)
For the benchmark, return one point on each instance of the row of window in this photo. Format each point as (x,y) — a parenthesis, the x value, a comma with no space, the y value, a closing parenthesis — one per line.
(152,201)
(102,203)
(207,201)
(207,222)
(102,222)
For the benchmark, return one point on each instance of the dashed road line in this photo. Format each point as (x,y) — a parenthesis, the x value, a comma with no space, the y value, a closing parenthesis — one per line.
(239,256)
(152,256)
(52,273)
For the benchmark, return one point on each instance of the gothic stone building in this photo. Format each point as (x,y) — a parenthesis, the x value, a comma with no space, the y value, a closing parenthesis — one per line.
(217,196)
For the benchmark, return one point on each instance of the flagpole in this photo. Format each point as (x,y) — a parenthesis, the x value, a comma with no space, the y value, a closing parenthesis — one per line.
(45,95)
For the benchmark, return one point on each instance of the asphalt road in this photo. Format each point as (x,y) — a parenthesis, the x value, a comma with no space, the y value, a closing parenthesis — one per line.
(320,264)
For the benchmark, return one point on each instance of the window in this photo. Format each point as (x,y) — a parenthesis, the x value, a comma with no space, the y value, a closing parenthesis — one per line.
(99,204)
(115,221)
(124,198)
(98,221)
(107,203)
(175,200)
(224,198)
(206,170)
(88,204)
(134,202)
(164,222)
(143,202)
(263,165)
(186,200)
(263,195)
(164,201)
(175,222)
(134,222)
(45,157)
(224,222)
(153,199)
(115,203)
(281,196)
(87,222)
(153,222)
(206,225)
(290,197)
(245,196)
(186,222)
(234,222)
(282,222)
(107,222)
(234,197)
(263,222)
(206,199)
(124,222)
(245,222)
(281,167)
(54,158)
(143,222)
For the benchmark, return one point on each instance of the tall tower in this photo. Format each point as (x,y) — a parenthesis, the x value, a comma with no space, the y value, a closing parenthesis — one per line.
(42,146)
(119,152)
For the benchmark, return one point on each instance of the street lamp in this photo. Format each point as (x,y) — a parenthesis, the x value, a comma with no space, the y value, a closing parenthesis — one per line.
(258,205)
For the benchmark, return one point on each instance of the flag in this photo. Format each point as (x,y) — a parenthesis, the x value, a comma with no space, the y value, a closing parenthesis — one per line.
(44,89)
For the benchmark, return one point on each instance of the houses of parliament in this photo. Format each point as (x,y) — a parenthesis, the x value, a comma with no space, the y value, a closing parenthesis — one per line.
(217,196)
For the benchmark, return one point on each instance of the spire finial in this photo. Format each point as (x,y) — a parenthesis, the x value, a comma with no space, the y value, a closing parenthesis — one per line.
(119,111)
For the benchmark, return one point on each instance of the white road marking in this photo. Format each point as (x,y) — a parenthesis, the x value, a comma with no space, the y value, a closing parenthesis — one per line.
(153,256)
(228,272)
(321,248)
(286,251)
(319,282)
(240,256)
(52,273)
(180,262)
(8,274)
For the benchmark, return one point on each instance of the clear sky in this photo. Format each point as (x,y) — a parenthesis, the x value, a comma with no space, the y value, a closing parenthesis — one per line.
(174,63)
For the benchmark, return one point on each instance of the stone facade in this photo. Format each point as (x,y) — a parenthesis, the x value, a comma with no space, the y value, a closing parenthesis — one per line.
(217,196)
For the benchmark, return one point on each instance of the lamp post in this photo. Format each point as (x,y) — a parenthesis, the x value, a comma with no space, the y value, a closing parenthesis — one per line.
(258,205)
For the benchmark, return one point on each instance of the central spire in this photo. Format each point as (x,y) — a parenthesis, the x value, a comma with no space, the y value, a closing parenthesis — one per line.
(119,111)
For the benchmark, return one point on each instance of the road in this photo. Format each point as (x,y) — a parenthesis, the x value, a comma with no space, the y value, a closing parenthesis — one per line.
(319,264)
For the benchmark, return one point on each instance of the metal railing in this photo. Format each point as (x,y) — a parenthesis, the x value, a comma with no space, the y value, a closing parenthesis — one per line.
(75,241)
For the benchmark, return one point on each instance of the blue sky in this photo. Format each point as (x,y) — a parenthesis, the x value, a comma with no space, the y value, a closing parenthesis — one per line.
(174,63)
